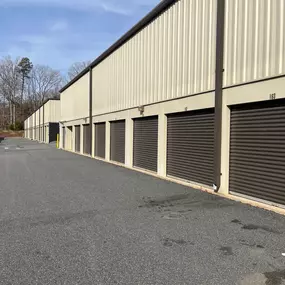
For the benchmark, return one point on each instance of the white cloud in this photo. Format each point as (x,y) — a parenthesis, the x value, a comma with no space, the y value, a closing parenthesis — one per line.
(123,7)
(58,26)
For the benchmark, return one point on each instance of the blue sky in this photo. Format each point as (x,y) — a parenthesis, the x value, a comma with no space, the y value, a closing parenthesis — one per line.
(60,32)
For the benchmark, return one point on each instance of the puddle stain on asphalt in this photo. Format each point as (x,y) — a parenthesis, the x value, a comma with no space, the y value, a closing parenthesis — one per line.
(170,242)
(183,203)
(255,227)
(227,250)
(244,242)
(275,277)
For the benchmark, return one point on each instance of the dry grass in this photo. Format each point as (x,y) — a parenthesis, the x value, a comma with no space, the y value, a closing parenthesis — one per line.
(10,134)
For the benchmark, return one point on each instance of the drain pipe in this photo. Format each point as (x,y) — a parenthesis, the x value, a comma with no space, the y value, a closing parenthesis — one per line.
(90,110)
(219,93)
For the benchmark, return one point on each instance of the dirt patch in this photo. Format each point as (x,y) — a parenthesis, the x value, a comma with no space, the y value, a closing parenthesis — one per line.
(11,134)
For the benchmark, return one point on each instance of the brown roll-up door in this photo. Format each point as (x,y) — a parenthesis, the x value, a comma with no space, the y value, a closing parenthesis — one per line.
(100,139)
(86,139)
(257,150)
(117,129)
(77,138)
(145,143)
(190,146)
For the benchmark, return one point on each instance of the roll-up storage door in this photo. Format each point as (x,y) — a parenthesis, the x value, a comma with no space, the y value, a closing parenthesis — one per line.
(77,138)
(190,146)
(118,141)
(257,151)
(100,139)
(145,143)
(53,131)
(86,139)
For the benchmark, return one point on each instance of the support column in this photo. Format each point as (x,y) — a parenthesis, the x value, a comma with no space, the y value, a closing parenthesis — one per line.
(72,139)
(108,141)
(60,136)
(81,138)
(90,110)
(129,142)
(162,142)
(93,140)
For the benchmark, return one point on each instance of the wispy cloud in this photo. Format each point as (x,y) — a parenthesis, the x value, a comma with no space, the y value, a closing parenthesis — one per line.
(58,39)
(123,7)
(58,26)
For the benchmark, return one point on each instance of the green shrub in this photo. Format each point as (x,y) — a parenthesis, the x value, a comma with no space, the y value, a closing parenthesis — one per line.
(12,127)
(19,126)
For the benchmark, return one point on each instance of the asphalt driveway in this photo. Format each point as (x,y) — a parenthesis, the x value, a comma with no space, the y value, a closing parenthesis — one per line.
(68,219)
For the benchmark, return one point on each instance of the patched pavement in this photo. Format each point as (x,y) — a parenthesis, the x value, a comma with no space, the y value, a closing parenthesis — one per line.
(68,219)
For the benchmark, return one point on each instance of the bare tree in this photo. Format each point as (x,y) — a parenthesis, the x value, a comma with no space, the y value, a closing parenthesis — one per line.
(76,68)
(10,84)
(44,83)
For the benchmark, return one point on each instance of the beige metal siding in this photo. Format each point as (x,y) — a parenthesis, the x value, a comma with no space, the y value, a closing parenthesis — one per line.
(36,118)
(254,40)
(47,112)
(75,100)
(55,109)
(174,56)
(52,111)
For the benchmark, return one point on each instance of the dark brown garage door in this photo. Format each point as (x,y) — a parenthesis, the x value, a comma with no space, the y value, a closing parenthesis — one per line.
(77,138)
(118,141)
(86,139)
(145,143)
(100,139)
(257,150)
(190,146)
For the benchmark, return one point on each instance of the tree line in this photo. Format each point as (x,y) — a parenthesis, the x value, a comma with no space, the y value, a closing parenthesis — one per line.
(25,86)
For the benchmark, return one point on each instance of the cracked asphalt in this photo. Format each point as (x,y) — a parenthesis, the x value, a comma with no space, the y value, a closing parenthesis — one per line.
(68,219)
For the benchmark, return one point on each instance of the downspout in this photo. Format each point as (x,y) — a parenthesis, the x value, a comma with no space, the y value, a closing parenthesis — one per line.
(90,110)
(44,123)
(39,124)
(219,92)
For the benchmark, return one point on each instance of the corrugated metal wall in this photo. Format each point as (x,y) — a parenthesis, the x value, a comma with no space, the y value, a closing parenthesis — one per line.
(172,57)
(75,100)
(54,110)
(47,112)
(254,40)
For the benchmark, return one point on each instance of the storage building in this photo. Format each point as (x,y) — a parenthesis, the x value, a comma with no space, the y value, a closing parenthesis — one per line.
(43,125)
(194,92)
